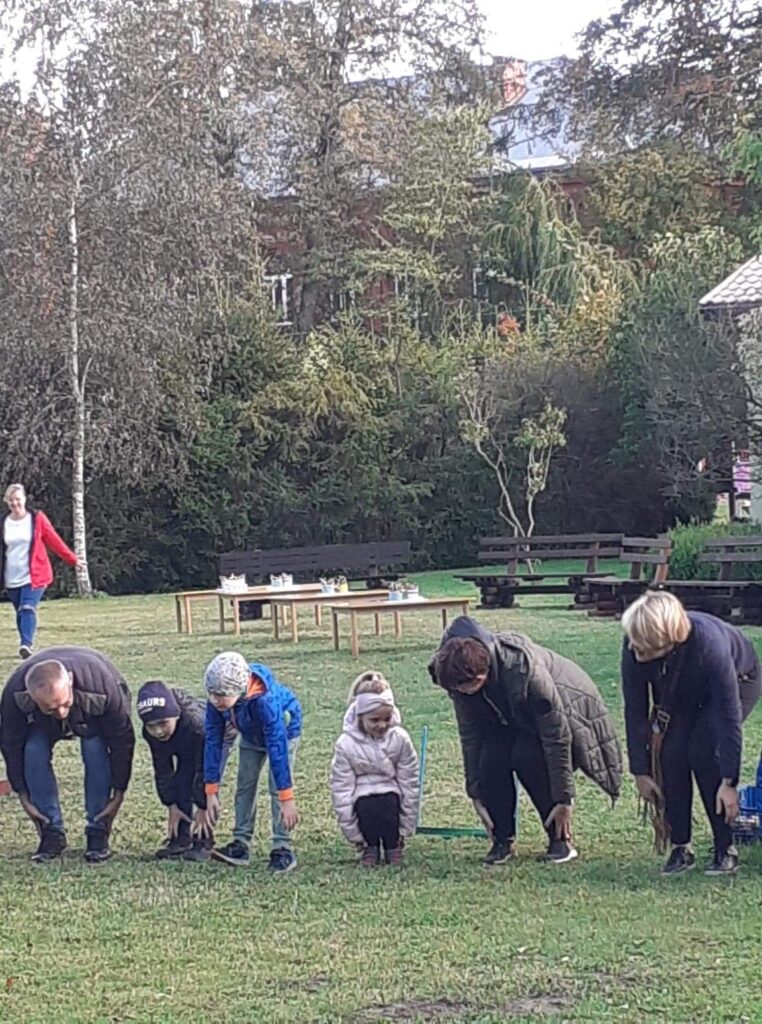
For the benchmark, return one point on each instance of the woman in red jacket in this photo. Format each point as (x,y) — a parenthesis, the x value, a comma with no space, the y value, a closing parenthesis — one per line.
(26,569)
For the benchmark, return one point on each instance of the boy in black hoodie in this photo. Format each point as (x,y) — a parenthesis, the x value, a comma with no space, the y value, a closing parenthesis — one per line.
(173,727)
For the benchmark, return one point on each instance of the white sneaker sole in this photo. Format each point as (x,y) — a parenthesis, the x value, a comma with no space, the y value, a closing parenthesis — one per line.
(571,855)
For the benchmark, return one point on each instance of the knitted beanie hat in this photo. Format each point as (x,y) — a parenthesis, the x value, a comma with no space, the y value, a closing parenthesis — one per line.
(228,674)
(156,702)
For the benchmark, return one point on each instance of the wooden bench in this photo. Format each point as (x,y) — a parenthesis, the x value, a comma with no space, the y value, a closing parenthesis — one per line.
(291,603)
(373,562)
(397,608)
(728,597)
(499,590)
(610,595)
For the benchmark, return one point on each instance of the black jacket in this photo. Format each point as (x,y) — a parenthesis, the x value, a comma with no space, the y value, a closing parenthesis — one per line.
(101,708)
(718,670)
(186,746)
(534,689)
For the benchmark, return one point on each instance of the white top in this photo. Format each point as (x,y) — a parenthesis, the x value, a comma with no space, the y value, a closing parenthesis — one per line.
(17,535)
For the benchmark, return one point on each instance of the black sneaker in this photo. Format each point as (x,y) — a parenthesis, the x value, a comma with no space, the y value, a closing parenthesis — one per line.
(52,845)
(174,847)
(723,863)
(236,854)
(25,651)
(499,854)
(681,859)
(282,861)
(98,849)
(200,850)
(560,851)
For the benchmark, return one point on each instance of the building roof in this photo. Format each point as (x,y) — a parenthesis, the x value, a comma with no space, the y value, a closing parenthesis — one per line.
(739,292)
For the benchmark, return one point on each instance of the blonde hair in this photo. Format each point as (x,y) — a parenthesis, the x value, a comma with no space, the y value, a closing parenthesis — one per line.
(367,682)
(11,489)
(655,621)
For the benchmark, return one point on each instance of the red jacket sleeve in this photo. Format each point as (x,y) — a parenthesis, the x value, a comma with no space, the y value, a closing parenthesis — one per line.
(51,540)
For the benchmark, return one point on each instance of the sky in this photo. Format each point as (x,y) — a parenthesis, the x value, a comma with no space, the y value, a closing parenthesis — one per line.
(538,29)
(527,29)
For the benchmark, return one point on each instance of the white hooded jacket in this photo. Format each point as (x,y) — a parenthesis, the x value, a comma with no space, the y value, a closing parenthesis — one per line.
(363,766)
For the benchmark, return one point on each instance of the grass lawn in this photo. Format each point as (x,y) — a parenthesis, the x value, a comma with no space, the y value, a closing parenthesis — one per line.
(602,939)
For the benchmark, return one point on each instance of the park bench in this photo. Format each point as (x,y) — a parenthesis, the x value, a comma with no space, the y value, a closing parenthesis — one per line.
(499,590)
(728,597)
(374,563)
(648,558)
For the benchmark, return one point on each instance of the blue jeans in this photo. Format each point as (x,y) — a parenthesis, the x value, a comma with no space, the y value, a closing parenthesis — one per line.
(250,762)
(25,600)
(41,781)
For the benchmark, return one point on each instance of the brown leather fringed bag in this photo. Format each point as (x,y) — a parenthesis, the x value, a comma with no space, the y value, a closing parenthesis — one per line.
(661,713)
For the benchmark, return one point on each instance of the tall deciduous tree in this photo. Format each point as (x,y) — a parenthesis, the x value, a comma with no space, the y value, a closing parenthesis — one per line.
(123,211)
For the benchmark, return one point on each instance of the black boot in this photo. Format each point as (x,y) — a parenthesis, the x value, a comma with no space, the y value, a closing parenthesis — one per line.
(52,845)
(175,846)
(98,849)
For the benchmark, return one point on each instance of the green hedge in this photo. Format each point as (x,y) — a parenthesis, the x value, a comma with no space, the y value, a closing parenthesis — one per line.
(688,541)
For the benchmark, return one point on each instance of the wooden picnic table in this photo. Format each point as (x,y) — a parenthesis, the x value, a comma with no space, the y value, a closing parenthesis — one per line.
(264,595)
(183,602)
(293,602)
(396,608)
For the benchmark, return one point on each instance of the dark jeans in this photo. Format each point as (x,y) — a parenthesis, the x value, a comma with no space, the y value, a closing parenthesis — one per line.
(379,819)
(25,600)
(41,782)
(507,752)
(690,751)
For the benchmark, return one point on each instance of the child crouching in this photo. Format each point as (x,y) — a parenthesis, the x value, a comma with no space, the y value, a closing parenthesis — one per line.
(374,776)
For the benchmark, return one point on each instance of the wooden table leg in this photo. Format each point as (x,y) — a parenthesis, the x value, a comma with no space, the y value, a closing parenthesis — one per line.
(377,617)
(318,615)
(221,610)
(355,642)
(464,608)
(179,613)
(188,615)
(335,628)
(236,617)
(294,627)
(397,625)
(444,618)
(275,621)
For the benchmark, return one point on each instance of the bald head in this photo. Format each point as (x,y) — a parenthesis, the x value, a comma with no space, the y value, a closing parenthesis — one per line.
(49,684)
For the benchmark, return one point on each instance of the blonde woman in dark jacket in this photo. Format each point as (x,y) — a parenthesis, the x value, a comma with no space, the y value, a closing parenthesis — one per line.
(524,710)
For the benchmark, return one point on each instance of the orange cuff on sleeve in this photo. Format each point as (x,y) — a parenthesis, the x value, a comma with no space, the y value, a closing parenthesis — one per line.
(211,787)
(285,794)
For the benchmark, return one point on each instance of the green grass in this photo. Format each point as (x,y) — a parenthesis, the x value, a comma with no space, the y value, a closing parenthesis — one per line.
(603,939)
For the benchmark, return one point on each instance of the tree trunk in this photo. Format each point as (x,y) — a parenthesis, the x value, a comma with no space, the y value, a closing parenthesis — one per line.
(77,382)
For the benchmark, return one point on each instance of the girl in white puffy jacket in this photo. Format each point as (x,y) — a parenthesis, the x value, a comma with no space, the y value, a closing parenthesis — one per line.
(374,777)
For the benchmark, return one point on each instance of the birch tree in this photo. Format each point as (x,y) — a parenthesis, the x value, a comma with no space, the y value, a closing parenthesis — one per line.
(122,214)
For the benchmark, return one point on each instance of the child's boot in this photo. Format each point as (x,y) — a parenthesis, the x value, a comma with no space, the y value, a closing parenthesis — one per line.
(371,857)
(394,857)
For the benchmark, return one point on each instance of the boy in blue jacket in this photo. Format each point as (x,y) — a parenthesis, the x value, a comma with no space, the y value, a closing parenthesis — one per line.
(269,719)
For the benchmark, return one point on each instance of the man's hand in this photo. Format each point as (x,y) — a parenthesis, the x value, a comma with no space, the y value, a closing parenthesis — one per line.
(289,814)
(31,811)
(561,817)
(202,826)
(647,789)
(111,809)
(727,801)
(174,819)
(213,808)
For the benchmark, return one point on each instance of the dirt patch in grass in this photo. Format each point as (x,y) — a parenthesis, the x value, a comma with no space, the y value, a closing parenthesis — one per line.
(540,1005)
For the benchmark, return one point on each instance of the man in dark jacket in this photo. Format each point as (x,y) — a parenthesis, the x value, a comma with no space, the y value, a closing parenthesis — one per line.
(173,727)
(60,693)
(523,709)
